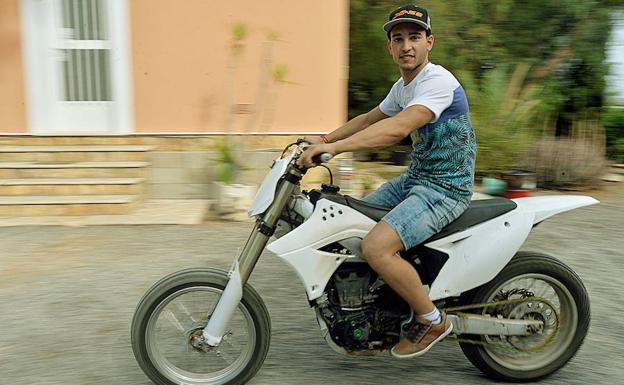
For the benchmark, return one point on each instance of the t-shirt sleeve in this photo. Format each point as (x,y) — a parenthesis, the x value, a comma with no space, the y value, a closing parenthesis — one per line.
(435,93)
(390,105)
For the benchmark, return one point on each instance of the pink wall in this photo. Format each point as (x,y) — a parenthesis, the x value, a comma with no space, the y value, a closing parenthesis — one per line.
(12,94)
(182,60)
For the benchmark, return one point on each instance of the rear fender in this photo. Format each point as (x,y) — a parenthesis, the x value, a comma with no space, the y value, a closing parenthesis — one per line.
(477,254)
(545,207)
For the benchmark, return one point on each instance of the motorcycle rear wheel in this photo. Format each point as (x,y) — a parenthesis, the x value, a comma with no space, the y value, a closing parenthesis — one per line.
(524,359)
(178,307)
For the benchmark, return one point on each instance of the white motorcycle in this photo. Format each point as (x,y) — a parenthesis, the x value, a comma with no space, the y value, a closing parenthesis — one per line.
(517,316)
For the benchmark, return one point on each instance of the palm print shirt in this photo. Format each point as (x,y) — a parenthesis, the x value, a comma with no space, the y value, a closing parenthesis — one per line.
(444,150)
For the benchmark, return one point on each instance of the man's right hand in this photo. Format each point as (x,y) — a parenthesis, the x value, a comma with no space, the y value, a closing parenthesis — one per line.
(316,149)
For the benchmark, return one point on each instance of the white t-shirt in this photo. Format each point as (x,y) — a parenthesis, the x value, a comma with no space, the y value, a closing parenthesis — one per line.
(444,150)
(433,88)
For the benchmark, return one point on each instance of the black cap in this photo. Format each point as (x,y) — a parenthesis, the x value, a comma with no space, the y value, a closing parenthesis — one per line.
(408,14)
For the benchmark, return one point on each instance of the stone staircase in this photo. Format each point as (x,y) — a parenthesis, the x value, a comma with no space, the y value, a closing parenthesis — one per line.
(615,173)
(80,179)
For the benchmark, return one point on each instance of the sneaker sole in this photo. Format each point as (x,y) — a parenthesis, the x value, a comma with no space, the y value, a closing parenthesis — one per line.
(425,350)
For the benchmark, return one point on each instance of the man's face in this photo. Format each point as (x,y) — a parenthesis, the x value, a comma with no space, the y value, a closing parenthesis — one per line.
(409,46)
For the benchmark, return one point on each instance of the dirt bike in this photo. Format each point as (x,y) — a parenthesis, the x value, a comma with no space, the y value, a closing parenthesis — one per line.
(518,316)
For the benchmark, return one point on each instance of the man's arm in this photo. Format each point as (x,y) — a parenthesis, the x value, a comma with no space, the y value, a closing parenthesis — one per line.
(353,126)
(383,133)
(387,132)
(356,125)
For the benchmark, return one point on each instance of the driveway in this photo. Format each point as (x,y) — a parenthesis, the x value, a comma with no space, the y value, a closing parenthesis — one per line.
(67,295)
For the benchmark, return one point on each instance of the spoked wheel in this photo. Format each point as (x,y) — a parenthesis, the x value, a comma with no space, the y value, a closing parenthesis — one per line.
(532,287)
(170,318)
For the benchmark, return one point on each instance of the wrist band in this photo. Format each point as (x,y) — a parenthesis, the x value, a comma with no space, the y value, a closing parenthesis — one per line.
(324,139)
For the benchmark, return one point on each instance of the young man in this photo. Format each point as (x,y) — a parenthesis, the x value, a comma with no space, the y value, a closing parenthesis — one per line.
(429,104)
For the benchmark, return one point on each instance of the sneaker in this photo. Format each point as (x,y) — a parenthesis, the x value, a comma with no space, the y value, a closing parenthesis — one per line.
(419,335)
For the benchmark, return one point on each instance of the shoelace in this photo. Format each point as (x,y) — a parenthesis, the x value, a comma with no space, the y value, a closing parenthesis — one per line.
(415,330)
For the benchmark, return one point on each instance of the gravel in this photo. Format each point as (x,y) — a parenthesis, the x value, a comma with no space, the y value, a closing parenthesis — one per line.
(67,296)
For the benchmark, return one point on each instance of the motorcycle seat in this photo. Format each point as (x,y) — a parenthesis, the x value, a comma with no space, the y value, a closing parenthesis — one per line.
(479,211)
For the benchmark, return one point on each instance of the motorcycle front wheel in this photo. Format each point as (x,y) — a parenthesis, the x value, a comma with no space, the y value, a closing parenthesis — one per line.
(176,309)
(548,291)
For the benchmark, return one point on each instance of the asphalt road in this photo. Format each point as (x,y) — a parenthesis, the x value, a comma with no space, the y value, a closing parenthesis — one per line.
(67,296)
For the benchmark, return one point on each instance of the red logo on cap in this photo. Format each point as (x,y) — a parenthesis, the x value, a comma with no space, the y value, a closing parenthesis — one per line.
(404,12)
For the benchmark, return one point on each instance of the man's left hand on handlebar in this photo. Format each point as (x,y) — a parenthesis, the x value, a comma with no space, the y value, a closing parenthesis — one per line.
(316,149)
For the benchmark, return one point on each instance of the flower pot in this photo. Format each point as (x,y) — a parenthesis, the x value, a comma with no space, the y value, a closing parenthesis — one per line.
(233,200)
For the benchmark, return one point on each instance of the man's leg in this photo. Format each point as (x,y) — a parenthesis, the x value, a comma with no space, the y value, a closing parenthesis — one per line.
(380,248)
(419,333)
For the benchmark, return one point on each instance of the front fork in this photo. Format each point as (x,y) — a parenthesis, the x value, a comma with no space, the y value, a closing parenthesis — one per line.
(245,263)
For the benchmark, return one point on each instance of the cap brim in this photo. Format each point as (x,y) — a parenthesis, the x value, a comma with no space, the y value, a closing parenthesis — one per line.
(389,25)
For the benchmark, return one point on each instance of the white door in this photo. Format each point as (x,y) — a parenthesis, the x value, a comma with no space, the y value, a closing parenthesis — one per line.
(77,66)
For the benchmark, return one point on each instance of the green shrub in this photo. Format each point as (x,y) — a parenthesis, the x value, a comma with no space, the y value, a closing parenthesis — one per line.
(503,113)
(227,166)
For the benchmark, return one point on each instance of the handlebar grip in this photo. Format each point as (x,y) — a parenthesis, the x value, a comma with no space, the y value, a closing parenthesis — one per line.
(322,158)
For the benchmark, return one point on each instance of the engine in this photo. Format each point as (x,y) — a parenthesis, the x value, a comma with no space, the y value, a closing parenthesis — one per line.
(361,311)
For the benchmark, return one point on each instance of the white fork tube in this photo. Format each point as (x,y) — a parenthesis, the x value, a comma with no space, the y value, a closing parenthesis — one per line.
(233,293)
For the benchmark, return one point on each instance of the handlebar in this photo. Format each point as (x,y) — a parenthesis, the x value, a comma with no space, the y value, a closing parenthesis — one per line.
(318,159)
(322,158)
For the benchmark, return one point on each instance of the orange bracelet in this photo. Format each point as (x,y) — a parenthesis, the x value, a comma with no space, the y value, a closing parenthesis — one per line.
(324,139)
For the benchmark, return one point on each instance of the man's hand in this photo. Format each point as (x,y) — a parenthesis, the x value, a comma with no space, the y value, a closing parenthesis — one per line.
(306,158)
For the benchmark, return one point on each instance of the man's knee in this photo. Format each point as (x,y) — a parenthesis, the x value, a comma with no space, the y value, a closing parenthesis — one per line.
(375,250)
(369,251)
(380,243)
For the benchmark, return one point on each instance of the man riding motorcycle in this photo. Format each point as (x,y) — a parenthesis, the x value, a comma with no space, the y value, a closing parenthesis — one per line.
(428,103)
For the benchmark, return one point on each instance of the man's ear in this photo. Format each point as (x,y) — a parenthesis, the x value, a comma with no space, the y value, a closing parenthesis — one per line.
(389,49)
(430,41)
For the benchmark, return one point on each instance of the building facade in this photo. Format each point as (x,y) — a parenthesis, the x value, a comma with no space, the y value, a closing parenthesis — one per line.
(124,67)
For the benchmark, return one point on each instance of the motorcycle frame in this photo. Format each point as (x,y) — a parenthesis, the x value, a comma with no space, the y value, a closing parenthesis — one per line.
(475,255)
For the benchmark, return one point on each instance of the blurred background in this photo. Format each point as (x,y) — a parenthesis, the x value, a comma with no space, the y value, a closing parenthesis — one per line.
(544,79)
(203,92)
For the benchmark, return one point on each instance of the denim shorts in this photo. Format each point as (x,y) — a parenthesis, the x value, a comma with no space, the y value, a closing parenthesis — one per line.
(418,211)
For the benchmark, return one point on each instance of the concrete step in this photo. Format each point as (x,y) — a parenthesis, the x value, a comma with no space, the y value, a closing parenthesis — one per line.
(63,200)
(71,186)
(613,177)
(21,170)
(41,165)
(66,205)
(78,148)
(617,169)
(65,154)
(75,140)
(69,181)
(73,157)
(74,173)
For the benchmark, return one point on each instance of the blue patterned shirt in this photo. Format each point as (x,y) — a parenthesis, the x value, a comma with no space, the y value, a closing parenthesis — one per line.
(444,150)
